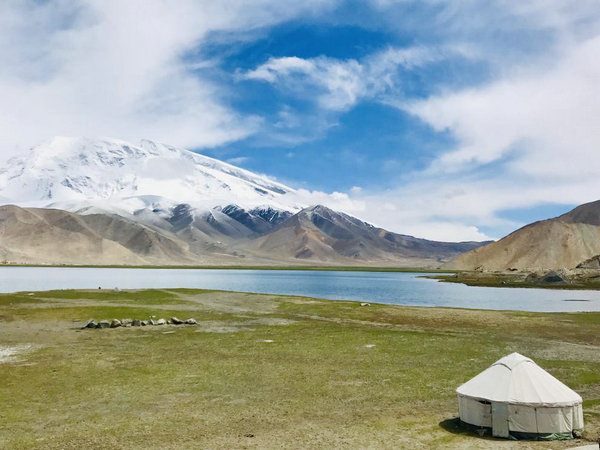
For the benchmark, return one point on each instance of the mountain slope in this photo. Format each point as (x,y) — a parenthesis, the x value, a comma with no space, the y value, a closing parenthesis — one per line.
(314,235)
(45,236)
(562,242)
(322,235)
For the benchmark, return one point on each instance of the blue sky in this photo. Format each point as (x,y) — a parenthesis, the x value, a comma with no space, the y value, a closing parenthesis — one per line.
(446,120)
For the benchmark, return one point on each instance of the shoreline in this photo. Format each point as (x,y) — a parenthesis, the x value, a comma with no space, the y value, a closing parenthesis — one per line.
(510,281)
(241,267)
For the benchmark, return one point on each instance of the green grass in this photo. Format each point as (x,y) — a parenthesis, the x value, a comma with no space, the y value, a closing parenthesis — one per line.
(336,374)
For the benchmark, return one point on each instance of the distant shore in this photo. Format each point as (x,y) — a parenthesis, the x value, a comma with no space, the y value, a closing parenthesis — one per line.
(512,280)
(249,267)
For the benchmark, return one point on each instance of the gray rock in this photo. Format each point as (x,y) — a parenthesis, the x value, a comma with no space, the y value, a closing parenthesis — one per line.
(115,323)
(144,323)
(90,324)
(553,277)
(126,322)
(103,324)
(176,321)
(151,322)
(136,323)
(191,321)
(161,322)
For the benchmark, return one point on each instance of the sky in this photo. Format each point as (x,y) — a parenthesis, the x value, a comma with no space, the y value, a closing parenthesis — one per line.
(448,120)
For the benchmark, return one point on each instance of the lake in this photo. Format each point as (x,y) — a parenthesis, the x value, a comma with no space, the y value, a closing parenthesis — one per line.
(394,288)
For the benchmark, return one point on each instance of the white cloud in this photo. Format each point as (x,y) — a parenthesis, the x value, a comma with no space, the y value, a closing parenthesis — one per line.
(528,136)
(238,160)
(338,201)
(113,68)
(341,84)
(548,120)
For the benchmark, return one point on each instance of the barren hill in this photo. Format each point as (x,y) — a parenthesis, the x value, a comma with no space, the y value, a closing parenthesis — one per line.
(562,242)
(320,234)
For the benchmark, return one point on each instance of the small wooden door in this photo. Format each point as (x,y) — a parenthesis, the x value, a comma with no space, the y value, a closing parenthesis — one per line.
(500,419)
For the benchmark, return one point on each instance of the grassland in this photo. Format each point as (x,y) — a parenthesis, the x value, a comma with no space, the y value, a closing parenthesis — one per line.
(265,371)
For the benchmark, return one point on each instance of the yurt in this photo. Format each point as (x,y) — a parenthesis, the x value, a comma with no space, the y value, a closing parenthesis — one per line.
(516,398)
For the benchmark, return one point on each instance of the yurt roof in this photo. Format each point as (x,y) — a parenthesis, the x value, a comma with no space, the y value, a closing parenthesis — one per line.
(516,379)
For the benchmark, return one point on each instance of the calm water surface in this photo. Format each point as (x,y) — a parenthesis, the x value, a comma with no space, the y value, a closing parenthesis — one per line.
(380,287)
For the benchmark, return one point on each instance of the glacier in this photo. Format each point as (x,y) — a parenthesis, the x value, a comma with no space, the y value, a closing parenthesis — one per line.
(109,175)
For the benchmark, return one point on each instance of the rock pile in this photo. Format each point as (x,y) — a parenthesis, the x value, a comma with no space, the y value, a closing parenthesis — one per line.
(116,323)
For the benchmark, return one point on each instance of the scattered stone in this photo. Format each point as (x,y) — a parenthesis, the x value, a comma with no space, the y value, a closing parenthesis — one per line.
(369,345)
(115,323)
(268,341)
(168,332)
(103,324)
(365,304)
(90,324)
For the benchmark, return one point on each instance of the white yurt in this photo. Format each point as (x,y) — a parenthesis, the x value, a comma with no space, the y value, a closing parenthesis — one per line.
(517,398)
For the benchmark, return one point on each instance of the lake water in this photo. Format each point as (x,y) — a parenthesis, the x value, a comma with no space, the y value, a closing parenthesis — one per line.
(379,287)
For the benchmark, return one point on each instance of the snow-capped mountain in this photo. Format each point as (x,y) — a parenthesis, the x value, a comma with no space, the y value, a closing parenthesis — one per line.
(89,175)
(84,201)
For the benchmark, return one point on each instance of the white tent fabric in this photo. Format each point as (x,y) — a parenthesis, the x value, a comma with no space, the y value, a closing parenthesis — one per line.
(515,394)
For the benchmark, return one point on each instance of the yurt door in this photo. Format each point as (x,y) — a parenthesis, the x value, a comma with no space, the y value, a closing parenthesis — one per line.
(500,419)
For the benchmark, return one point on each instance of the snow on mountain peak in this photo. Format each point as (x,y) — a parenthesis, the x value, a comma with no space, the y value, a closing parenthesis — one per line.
(112,173)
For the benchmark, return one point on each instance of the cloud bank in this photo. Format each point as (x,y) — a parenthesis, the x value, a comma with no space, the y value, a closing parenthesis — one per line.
(113,68)
(524,130)
(526,135)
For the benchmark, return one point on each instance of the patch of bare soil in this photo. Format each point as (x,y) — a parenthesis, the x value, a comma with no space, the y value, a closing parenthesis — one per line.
(237,326)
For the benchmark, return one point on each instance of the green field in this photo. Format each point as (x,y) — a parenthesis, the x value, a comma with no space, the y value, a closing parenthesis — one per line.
(265,371)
